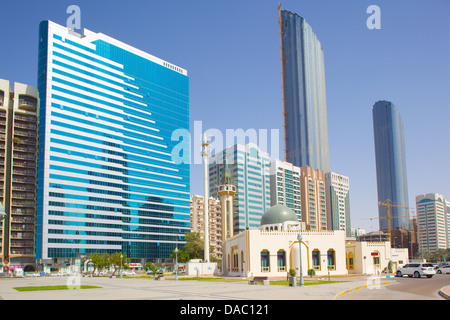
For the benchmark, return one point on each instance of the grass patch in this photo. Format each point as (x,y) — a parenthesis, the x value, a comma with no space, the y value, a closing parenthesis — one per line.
(46,288)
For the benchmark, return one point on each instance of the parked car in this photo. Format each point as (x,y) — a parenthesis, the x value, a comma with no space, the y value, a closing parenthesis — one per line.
(443,269)
(417,270)
(443,264)
(129,273)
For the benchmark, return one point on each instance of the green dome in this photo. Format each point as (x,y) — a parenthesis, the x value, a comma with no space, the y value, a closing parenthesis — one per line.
(278,214)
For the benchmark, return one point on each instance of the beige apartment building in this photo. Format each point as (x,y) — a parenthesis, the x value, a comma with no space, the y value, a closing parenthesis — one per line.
(18,150)
(215,225)
(432,222)
(313,198)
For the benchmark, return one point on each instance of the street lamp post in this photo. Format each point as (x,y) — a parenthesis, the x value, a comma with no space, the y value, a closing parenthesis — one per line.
(299,237)
(176,263)
(121,256)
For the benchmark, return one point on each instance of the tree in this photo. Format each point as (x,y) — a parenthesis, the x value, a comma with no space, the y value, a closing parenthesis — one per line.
(100,261)
(182,255)
(119,263)
(193,249)
(151,266)
(194,245)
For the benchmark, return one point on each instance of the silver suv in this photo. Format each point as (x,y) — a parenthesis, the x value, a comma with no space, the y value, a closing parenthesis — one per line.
(417,270)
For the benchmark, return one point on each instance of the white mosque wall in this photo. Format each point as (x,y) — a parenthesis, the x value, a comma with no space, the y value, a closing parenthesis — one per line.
(247,250)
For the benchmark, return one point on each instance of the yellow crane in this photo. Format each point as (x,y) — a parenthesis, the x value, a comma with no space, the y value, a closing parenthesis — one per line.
(388,203)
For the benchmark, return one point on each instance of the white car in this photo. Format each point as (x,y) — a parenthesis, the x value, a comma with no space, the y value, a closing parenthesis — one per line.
(443,269)
(417,270)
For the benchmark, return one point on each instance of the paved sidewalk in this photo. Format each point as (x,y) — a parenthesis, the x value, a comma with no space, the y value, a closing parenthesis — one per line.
(143,289)
(149,289)
(445,292)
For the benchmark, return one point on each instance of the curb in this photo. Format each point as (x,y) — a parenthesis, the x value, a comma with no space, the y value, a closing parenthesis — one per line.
(342,293)
(443,294)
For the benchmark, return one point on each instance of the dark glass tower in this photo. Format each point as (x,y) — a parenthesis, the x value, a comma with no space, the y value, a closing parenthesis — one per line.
(391,164)
(304,99)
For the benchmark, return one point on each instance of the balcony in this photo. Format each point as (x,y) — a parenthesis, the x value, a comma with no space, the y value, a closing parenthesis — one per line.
(24,142)
(22,244)
(22,212)
(24,172)
(23,188)
(15,235)
(25,164)
(27,103)
(23,156)
(22,219)
(227,189)
(22,252)
(21,204)
(26,118)
(26,180)
(21,133)
(23,126)
(23,196)
(24,227)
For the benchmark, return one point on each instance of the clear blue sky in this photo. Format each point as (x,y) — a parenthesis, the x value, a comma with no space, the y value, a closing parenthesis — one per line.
(231,50)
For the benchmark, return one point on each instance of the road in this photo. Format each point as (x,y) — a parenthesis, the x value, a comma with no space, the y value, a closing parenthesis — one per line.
(404,288)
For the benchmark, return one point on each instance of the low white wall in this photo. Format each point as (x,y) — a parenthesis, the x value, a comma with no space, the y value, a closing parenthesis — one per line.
(201,269)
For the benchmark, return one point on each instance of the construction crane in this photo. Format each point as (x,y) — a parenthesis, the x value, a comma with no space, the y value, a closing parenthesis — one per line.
(388,203)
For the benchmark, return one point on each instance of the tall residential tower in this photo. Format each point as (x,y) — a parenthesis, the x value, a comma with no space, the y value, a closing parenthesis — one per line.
(18,142)
(304,99)
(106,179)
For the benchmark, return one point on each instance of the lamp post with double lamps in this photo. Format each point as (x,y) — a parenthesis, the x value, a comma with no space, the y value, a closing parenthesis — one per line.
(300,238)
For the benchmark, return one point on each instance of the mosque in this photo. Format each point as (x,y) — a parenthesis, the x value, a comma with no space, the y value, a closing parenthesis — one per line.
(273,249)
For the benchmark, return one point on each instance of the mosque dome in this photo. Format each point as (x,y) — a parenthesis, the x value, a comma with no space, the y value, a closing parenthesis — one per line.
(278,214)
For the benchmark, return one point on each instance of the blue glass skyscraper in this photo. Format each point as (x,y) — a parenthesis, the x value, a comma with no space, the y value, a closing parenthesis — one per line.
(390,159)
(106,179)
(304,99)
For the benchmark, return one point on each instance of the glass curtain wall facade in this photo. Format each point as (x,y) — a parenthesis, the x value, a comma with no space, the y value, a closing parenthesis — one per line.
(106,180)
(285,186)
(338,202)
(390,162)
(304,98)
(250,173)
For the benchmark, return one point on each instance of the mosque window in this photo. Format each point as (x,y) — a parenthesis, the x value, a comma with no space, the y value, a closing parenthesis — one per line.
(265,261)
(331,259)
(235,263)
(281,260)
(316,259)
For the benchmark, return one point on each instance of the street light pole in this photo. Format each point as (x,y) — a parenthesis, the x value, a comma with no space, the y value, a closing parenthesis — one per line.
(121,256)
(205,153)
(300,251)
(176,262)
